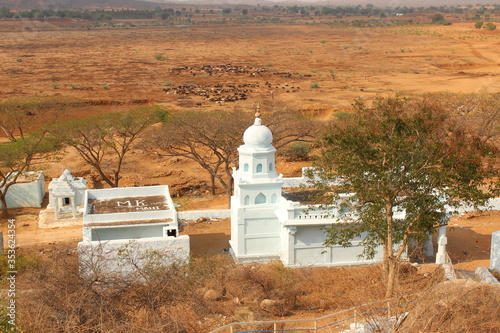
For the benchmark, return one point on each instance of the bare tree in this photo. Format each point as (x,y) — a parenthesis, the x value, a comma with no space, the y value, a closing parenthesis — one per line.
(211,138)
(289,125)
(104,141)
(479,112)
(208,138)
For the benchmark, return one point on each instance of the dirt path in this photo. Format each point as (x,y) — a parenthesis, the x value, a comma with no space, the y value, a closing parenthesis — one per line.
(469,239)
(469,236)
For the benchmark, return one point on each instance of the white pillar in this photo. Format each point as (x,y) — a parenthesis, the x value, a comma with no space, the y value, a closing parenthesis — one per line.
(290,246)
(73,206)
(56,208)
(442,241)
(429,247)
(495,251)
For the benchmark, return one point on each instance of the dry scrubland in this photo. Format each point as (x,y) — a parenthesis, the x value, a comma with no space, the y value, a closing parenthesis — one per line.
(315,68)
(134,65)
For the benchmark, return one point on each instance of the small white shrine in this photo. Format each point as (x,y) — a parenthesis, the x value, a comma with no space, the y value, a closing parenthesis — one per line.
(66,194)
(127,228)
(266,226)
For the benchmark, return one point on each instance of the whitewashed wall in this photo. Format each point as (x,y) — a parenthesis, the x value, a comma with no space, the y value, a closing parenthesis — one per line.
(26,194)
(128,258)
(209,214)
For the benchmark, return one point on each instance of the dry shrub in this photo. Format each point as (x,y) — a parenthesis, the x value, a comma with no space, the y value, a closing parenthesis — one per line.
(57,299)
(269,281)
(456,306)
(337,288)
(198,297)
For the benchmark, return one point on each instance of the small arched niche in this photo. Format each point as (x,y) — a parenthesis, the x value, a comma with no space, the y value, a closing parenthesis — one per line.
(260,199)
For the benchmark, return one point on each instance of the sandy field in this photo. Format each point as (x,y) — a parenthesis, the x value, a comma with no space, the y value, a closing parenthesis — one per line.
(118,67)
(315,68)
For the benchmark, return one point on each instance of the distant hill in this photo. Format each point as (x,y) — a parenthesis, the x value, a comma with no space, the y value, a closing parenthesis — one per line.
(138,4)
(76,4)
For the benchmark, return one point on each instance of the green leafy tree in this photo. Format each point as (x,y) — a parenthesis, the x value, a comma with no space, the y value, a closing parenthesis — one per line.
(437,18)
(19,156)
(21,121)
(104,141)
(396,156)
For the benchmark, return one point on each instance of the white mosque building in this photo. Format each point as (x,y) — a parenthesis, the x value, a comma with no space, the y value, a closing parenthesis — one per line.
(266,226)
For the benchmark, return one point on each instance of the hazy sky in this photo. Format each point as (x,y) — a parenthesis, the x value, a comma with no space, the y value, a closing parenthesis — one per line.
(396,3)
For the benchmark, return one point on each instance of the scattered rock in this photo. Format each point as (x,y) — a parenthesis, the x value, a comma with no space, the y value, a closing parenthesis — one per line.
(268,305)
(212,295)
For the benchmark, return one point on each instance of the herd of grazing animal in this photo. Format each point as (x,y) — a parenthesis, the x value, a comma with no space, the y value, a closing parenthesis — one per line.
(216,93)
(220,93)
(220,70)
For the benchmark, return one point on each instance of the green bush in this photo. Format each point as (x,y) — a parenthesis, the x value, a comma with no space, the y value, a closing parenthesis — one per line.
(490,26)
(297,151)
(437,18)
(160,57)
(479,24)
(314,85)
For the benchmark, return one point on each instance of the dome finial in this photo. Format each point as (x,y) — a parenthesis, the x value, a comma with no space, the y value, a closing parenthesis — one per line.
(257,112)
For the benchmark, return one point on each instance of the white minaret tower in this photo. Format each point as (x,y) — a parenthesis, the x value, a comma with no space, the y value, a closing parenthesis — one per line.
(257,191)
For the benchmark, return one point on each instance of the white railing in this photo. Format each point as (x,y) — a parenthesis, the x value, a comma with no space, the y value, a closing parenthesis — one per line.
(369,314)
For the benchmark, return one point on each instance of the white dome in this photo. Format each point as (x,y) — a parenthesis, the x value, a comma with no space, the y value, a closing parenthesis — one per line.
(258,135)
(66,175)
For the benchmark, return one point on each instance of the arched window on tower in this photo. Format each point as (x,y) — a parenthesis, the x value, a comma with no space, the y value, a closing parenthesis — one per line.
(270,166)
(274,198)
(245,167)
(247,200)
(259,167)
(260,199)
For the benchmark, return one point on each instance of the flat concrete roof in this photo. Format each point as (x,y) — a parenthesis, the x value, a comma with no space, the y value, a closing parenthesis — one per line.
(128,204)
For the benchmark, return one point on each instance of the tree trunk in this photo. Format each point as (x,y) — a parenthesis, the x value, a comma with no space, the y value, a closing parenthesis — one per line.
(212,181)
(108,181)
(385,263)
(391,277)
(5,212)
(228,198)
(389,261)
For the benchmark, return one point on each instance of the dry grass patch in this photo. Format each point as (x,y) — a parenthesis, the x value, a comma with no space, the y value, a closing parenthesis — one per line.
(456,306)
(198,297)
